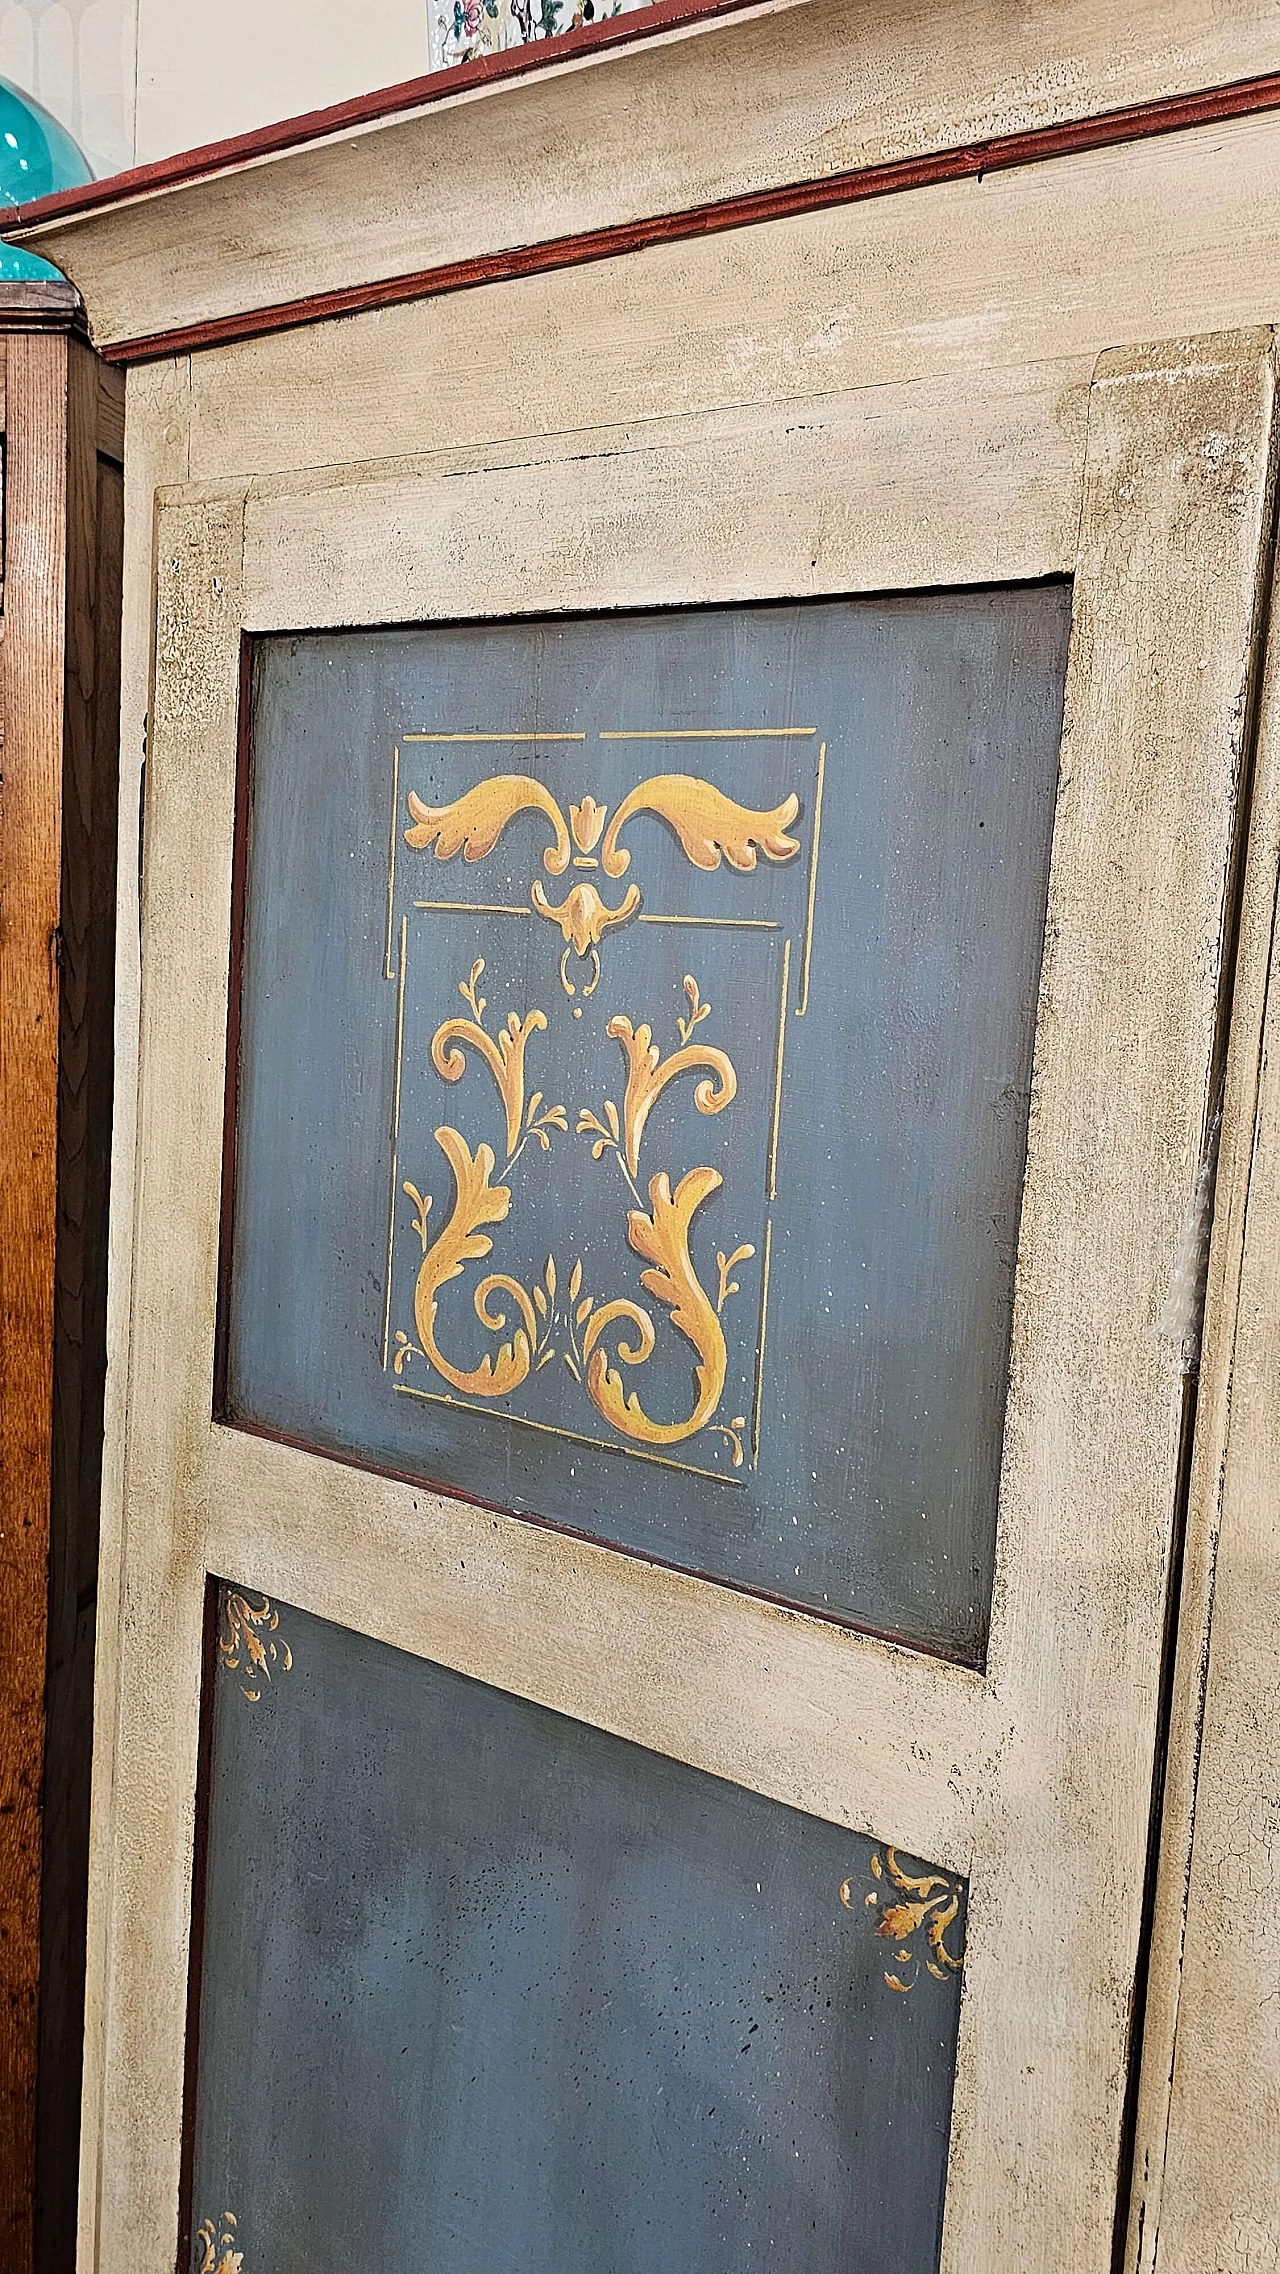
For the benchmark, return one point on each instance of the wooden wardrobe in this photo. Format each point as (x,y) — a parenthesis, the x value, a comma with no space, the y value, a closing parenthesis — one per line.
(63,444)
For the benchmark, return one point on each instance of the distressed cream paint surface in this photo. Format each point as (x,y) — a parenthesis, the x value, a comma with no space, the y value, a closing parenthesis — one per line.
(909,383)
(1219,2207)
(1205,2190)
(794,91)
(1005,1776)
(156,452)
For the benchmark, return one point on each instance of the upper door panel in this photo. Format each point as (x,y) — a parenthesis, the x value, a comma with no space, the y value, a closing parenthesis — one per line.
(636,1031)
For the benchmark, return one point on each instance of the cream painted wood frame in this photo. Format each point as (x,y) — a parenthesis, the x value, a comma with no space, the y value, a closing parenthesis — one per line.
(1035,1778)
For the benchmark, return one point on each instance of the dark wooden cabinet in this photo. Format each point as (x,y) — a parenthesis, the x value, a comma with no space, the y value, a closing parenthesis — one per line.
(63,432)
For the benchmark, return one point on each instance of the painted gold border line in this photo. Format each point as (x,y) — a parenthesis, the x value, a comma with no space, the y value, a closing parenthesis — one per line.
(715,923)
(388,973)
(574,1437)
(470,908)
(803,1004)
(395,1138)
(784,991)
(705,733)
(493,738)
(764,1315)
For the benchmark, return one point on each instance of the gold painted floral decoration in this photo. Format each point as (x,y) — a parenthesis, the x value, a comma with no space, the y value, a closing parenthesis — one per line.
(931,1908)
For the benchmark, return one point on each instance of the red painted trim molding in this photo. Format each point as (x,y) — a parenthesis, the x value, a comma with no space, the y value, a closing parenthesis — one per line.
(408,95)
(969,161)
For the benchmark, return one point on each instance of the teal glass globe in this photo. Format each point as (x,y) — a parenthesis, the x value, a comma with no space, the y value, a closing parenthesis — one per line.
(37,156)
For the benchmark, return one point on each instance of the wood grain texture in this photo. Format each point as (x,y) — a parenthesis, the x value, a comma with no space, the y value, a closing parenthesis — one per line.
(110,434)
(31,662)
(87,933)
(40,305)
(733,109)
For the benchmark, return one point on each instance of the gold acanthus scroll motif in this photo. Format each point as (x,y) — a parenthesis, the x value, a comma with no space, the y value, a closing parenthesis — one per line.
(476,1202)
(648,1074)
(660,1236)
(504,1056)
(474,822)
(708,824)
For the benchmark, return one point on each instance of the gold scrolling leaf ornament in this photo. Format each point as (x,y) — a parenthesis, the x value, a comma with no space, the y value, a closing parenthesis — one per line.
(474,822)
(477,1202)
(710,827)
(648,1074)
(662,1238)
(247,1642)
(503,1055)
(707,823)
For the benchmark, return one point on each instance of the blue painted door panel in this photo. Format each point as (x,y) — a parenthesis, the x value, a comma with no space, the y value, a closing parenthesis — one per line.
(637,1022)
(485,1991)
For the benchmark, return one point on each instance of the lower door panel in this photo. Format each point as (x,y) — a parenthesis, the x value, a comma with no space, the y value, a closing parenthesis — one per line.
(483,1987)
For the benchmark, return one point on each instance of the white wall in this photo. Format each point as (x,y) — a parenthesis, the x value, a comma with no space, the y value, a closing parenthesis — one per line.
(206,71)
(79,58)
(137,79)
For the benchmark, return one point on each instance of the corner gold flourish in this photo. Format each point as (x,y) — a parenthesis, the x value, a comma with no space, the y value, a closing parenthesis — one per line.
(935,1907)
(247,1644)
(217,2241)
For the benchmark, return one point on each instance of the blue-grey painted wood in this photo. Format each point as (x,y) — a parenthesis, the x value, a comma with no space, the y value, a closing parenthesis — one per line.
(486,1991)
(850,1459)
